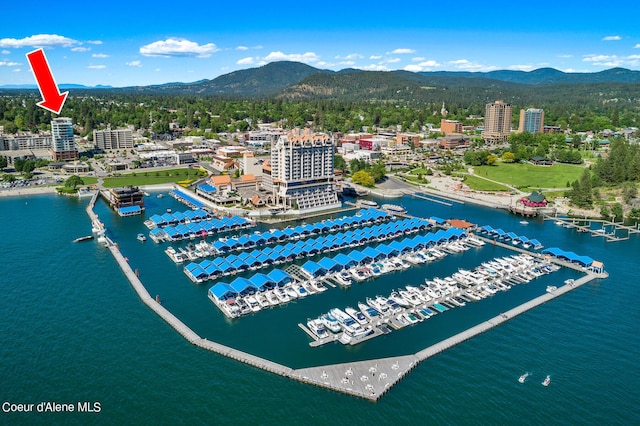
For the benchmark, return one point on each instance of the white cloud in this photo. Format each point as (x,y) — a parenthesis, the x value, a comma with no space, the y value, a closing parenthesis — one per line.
(99,55)
(342,63)
(612,38)
(96,67)
(466,65)
(520,67)
(350,56)
(392,60)
(422,66)
(9,64)
(297,57)
(374,57)
(6,52)
(564,56)
(17,70)
(178,47)
(80,49)
(637,46)
(157,70)
(402,51)
(134,64)
(418,59)
(242,48)
(39,40)
(612,60)
(95,42)
(374,67)
(246,61)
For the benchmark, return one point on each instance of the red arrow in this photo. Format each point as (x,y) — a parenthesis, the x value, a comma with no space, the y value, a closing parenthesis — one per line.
(52,99)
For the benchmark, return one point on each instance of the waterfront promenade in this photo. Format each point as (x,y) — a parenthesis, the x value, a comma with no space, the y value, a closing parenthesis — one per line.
(369,379)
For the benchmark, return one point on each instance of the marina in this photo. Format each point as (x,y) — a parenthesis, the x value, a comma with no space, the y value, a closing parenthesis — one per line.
(369,379)
(607,229)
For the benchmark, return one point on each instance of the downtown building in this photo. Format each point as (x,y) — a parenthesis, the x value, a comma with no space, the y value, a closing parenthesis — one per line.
(531,120)
(497,122)
(63,146)
(113,139)
(300,172)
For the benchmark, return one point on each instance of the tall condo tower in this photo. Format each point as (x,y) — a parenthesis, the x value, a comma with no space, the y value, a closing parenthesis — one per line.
(63,147)
(497,122)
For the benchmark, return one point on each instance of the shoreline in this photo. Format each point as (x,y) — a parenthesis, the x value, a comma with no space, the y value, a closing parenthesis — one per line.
(38,190)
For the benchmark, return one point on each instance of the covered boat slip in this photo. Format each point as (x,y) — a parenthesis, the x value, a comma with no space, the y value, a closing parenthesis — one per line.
(129,211)
(202,228)
(186,199)
(261,282)
(500,235)
(173,219)
(310,247)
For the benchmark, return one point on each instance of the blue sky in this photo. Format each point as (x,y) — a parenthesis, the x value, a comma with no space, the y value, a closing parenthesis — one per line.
(122,43)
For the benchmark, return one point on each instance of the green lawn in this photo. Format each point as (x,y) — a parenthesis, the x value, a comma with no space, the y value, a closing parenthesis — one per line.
(151,178)
(528,176)
(479,184)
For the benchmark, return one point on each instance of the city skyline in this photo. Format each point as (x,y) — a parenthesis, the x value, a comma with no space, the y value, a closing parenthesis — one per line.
(125,44)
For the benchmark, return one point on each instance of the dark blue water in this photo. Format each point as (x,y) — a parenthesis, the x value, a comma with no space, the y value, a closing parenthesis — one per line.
(74,330)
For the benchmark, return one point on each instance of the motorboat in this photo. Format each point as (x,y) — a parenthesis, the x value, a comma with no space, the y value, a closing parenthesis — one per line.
(141,237)
(368,311)
(331,323)
(343,278)
(356,315)
(317,286)
(524,222)
(523,377)
(318,328)
(546,381)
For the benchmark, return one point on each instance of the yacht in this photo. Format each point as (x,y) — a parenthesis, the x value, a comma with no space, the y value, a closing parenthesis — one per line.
(317,286)
(368,311)
(356,315)
(343,278)
(330,322)
(523,377)
(141,237)
(378,304)
(281,294)
(546,381)
(253,303)
(318,328)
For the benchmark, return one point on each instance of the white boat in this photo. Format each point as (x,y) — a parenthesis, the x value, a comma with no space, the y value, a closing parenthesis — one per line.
(356,315)
(331,323)
(546,381)
(291,292)
(141,237)
(524,222)
(272,298)
(393,208)
(396,297)
(282,295)
(366,203)
(262,300)
(317,286)
(253,303)
(523,377)
(379,304)
(368,311)
(317,327)
(551,288)
(350,326)
(343,278)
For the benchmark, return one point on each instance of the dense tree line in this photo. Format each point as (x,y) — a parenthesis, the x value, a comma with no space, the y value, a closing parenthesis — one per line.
(621,165)
(574,106)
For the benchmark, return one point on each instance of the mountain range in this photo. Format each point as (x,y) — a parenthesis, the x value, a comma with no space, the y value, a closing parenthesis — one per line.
(294,80)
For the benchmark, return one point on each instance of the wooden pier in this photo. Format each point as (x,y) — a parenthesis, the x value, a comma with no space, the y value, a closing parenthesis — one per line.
(608,229)
(369,379)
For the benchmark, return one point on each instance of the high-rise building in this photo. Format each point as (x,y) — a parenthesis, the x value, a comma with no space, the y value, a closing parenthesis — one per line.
(497,122)
(300,171)
(531,120)
(113,139)
(63,147)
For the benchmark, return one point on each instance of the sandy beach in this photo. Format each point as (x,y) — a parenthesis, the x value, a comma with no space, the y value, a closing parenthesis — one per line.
(26,191)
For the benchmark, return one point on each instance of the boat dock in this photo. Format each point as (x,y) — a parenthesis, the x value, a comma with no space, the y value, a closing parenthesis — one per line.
(424,197)
(608,229)
(369,379)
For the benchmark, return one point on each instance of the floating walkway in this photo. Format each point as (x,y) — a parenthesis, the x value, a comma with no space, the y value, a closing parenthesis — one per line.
(368,379)
(609,235)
